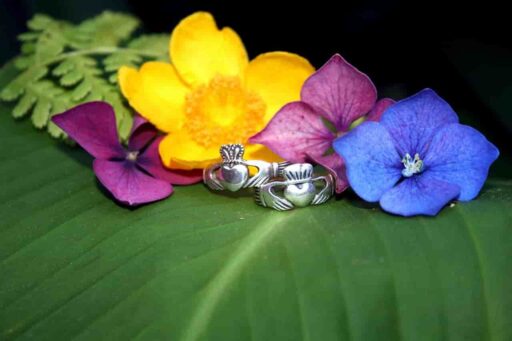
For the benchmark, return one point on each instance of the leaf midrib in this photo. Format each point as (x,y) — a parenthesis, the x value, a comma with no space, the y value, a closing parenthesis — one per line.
(231,270)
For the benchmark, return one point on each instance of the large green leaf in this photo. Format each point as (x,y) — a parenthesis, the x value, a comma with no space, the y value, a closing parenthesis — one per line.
(204,266)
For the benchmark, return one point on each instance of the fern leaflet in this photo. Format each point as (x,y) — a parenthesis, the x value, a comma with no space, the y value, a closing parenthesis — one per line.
(62,65)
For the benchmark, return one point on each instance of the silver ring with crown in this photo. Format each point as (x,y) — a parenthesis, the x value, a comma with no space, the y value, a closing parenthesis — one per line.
(233,172)
(298,187)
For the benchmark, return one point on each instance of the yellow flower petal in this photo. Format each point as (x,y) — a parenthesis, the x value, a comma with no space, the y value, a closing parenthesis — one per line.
(128,78)
(157,93)
(277,77)
(260,152)
(199,50)
(180,151)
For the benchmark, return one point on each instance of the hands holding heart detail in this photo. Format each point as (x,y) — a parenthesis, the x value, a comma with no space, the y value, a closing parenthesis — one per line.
(299,189)
(233,172)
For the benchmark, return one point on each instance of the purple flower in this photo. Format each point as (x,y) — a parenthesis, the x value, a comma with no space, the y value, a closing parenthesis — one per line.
(417,158)
(337,93)
(134,175)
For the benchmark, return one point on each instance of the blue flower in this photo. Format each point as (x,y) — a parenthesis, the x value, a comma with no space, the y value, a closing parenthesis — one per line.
(417,158)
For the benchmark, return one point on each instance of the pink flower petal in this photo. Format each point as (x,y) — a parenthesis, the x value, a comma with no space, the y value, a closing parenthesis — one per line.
(93,126)
(295,131)
(340,92)
(150,161)
(142,133)
(128,184)
(336,166)
(379,108)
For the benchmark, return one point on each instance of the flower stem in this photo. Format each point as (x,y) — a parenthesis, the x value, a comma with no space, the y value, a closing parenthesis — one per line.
(102,50)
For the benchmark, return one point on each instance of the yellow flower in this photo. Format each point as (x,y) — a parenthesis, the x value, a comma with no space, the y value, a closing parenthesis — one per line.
(211,94)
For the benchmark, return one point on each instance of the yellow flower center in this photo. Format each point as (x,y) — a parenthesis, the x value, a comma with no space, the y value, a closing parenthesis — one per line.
(223,111)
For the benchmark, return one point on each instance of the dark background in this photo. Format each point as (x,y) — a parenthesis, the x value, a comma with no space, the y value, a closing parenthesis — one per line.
(461,50)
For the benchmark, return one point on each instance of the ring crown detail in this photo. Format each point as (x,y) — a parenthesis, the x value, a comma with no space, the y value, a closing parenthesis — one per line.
(232,153)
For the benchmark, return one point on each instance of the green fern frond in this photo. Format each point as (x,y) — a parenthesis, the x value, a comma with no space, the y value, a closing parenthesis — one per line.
(106,29)
(158,44)
(62,65)
(16,88)
(50,41)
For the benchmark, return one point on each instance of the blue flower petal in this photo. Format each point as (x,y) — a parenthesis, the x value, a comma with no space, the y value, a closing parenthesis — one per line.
(422,194)
(413,121)
(372,162)
(461,155)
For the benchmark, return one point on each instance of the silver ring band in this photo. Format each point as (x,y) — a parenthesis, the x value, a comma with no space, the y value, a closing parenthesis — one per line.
(298,188)
(233,172)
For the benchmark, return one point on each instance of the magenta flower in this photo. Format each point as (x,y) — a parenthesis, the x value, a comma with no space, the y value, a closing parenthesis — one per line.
(134,175)
(417,158)
(338,93)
